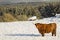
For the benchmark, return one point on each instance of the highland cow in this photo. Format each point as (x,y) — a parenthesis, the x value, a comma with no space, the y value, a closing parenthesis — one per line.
(46,28)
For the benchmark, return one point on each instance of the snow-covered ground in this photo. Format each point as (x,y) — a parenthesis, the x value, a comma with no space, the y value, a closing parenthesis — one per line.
(26,30)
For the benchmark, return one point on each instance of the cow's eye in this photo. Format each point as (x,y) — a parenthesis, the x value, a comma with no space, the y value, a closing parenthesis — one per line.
(35,24)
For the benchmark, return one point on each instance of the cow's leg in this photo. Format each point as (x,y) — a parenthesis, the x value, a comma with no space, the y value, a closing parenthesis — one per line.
(42,34)
(54,32)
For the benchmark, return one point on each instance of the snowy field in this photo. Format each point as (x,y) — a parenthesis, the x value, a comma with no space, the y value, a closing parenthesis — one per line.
(26,30)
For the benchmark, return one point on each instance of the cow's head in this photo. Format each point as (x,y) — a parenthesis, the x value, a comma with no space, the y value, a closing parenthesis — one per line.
(37,25)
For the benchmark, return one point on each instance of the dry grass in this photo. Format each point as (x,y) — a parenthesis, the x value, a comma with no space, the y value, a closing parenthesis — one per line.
(8,18)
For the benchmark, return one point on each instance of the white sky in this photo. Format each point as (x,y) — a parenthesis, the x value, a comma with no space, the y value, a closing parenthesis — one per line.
(26,0)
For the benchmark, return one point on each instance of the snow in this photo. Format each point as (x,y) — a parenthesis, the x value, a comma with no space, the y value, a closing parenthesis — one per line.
(32,18)
(26,30)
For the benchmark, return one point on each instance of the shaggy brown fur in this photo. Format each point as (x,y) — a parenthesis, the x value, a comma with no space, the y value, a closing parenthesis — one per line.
(46,28)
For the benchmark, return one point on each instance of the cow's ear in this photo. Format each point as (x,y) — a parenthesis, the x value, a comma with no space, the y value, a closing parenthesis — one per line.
(35,24)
